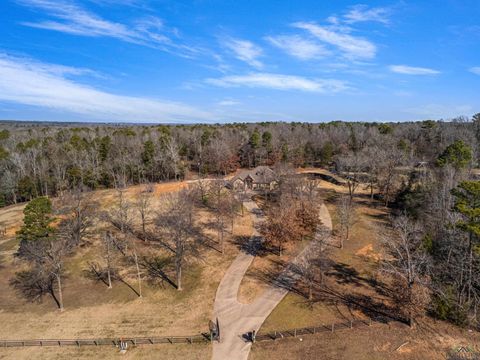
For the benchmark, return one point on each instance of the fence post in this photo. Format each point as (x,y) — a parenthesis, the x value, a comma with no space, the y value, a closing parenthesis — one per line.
(295,332)
(333,327)
(351,324)
(369,321)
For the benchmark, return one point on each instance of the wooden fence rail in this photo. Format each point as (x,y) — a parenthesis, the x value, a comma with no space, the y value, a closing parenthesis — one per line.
(352,324)
(194,339)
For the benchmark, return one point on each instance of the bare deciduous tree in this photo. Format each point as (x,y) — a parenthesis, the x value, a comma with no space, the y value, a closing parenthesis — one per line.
(407,264)
(175,221)
(219,202)
(46,269)
(346,216)
(78,211)
(143,206)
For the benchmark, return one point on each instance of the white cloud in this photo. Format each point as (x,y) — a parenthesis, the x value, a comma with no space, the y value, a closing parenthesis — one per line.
(298,46)
(475,70)
(76,20)
(412,70)
(27,82)
(280,82)
(361,13)
(70,18)
(403,93)
(228,102)
(353,47)
(440,111)
(246,51)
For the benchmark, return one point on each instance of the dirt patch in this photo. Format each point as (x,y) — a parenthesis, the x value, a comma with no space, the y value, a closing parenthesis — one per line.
(368,252)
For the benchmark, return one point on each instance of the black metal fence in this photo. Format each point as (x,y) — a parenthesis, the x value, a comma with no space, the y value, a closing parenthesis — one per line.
(352,324)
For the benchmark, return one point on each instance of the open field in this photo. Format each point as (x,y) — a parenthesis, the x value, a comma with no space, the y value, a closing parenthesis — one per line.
(93,310)
(160,352)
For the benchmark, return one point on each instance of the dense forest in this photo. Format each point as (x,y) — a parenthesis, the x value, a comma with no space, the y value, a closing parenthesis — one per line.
(424,171)
(38,159)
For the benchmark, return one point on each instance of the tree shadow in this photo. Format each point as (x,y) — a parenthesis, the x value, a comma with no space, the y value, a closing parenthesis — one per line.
(123,281)
(97,273)
(282,275)
(345,274)
(253,245)
(33,285)
(375,306)
(157,268)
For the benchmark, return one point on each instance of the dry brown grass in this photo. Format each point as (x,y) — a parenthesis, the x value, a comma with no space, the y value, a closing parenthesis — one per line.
(354,269)
(160,352)
(355,266)
(431,341)
(266,265)
(93,310)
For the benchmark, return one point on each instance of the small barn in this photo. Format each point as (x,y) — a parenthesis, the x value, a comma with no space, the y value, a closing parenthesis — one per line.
(259,178)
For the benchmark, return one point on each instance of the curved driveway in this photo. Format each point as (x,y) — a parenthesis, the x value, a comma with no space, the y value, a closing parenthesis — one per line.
(236,318)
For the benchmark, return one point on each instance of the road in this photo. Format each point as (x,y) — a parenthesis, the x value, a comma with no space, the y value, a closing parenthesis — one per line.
(236,318)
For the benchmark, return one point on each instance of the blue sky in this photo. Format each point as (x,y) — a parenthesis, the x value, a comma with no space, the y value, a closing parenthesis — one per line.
(238,60)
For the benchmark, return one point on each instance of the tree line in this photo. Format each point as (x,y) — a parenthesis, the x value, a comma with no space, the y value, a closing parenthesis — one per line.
(44,160)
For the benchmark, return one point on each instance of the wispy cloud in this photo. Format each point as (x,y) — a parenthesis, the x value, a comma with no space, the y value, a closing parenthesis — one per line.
(362,13)
(134,3)
(68,17)
(280,82)
(228,102)
(28,82)
(299,47)
(440,111)
(352,47)
(412,70)
(475,70)
(246,51)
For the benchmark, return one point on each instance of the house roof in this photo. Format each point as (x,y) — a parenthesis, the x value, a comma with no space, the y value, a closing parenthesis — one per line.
(259,175)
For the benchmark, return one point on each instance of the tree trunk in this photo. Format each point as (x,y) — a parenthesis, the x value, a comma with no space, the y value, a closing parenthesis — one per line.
(179,278)
(411,320)
(109,278)
(221,239)
(470,266)
(143,228)
(139,276)
(60,294)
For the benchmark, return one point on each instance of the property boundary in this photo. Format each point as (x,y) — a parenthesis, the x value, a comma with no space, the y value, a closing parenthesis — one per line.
(352,324)
(194,339)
